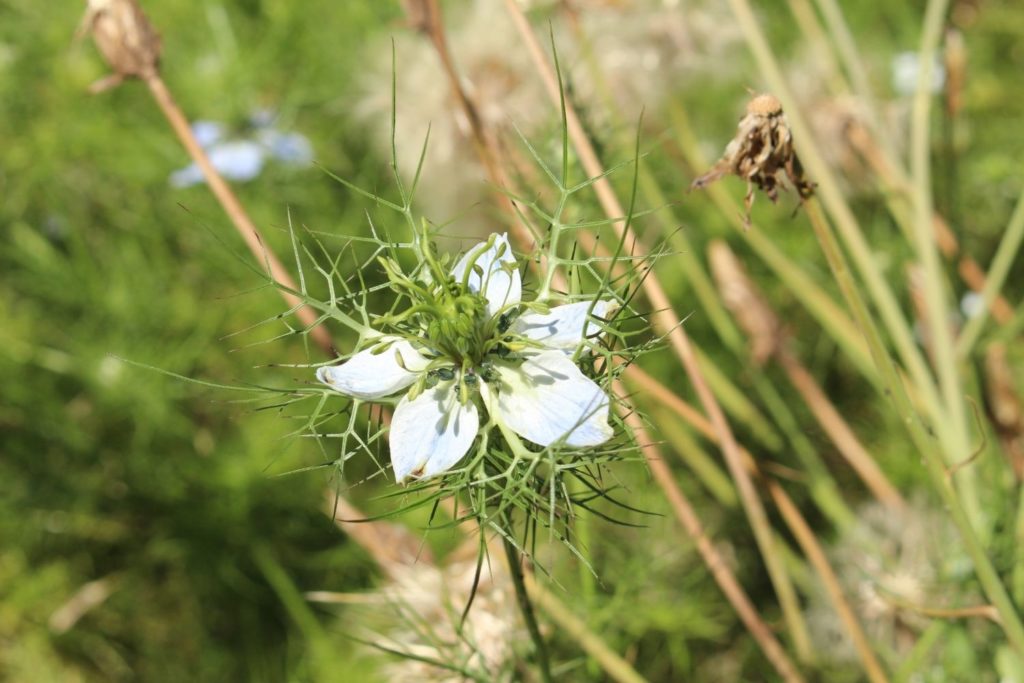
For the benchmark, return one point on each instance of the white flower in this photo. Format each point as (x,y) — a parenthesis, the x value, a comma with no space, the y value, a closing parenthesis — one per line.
(538,393)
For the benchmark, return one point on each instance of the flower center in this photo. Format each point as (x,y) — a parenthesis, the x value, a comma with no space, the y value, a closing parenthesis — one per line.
(457,326)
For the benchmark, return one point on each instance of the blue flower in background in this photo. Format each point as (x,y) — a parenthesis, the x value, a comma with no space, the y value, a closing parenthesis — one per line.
(291,148)
(242,160)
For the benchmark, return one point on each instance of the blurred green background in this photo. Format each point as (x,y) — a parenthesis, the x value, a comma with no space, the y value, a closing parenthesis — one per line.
(164,491)
(110,472)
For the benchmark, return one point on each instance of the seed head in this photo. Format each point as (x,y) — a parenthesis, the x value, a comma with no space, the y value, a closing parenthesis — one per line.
(761,153)
(123,34)
(764,105)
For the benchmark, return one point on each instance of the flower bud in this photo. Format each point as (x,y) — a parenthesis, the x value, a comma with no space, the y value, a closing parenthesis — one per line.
(540,307)
(464,325)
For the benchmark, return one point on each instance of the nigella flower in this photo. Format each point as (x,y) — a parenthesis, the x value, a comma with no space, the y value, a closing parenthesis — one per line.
(475,346)
(241,160)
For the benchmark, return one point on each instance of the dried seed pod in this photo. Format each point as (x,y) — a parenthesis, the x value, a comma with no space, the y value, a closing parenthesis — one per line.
(125,37)
(761,153)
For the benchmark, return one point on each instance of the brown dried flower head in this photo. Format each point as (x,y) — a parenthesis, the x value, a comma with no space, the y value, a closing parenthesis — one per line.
(761,153)
(125,37)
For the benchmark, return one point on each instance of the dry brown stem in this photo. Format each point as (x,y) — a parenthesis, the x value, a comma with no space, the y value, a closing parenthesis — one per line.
(769,339)
(814,552)
(131,47)
(716,564)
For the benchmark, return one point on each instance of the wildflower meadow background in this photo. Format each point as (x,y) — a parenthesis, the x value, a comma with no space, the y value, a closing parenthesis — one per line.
(817,406)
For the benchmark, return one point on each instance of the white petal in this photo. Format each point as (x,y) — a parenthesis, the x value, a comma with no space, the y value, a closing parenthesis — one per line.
(548,398)
(432,432)
(499,286)
(563,327)
(370,375)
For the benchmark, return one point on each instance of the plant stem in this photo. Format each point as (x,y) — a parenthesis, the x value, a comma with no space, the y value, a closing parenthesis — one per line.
(716,564)
(515,569)
(935,286)
(839,431)
(814,552)
(617,668)
(915,661)
(239,218)
(665,321)
(925,444)
(1017,575)
(849,55)
(1008,249)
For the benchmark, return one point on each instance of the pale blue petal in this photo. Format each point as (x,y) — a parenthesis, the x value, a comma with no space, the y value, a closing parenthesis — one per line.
(186,177)
(290,148)
(207,132)
(238,160)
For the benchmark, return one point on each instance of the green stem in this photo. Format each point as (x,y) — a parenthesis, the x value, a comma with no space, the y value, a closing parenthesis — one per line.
(820,484)
(526,608)
(925,444)
(1000,268)
(1017,576)
(927,251)
(702,465)
(738,404)
(846,46)
(915,660)
(617,668)
(552,258)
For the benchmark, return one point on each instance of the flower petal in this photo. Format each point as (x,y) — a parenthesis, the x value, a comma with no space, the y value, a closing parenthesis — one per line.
(370,375)
(432,432)
(547,399)
(500,285)
(563,327)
